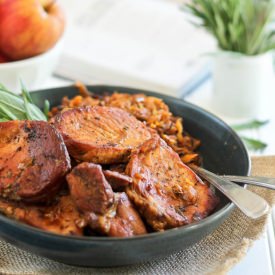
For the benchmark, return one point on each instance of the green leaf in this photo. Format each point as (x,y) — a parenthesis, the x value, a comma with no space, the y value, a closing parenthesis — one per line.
(254,144)
(28,114)
(244,26)
(12,100)
(3,115)
(25,93)
(2,86)
(253,124)
(15,110)
(4,119)
(3,89)
(46,108)
(35,112)
(15,107)
(32,111)
(7,112)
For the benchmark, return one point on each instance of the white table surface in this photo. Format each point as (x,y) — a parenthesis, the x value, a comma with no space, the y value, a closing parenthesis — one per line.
(260,258)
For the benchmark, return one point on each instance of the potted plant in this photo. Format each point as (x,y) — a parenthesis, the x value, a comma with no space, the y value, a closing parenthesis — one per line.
(243,65)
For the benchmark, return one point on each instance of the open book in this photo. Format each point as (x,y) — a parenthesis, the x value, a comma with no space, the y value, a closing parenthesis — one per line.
(145,44)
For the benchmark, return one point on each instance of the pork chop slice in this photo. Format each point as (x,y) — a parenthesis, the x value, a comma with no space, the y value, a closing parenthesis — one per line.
(103,135)
(166,192)
(62,217)
(120,220)
(106,212)
(90,189)
(117,180)
(33,160)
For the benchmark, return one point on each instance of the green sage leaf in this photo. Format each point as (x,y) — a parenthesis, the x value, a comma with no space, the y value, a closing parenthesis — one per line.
(254,144)
(253,124)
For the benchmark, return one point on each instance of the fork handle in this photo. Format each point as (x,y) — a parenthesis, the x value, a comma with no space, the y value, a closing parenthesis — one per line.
(257,181)
(248,202)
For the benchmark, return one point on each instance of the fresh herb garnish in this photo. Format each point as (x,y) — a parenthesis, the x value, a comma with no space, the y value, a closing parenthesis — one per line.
(16,107)
(251,143)
(254,144)
(243,26)
(46,108)
(253,124)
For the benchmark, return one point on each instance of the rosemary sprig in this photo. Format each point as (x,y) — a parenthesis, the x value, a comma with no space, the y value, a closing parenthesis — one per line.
(3,120)
(46,108)
(15,107)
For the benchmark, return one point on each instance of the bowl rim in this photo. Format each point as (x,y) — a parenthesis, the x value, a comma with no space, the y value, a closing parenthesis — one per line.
(33,59)
(84,239)
(166,233)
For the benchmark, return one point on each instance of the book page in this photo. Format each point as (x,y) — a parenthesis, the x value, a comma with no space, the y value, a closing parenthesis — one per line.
(141,43)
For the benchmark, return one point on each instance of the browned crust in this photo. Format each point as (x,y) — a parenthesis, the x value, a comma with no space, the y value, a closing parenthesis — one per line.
(89,188)
(107,213)
(62,217)
(117,180)
(99,134)
(33,160)
(166,192)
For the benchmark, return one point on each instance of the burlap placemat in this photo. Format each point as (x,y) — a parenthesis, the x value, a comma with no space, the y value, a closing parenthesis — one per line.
(215,254)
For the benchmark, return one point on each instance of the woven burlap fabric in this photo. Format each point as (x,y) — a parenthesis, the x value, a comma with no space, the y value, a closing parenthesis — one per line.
(215,254)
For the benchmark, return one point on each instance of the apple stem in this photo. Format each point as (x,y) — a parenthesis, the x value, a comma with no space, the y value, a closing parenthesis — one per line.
(46,4)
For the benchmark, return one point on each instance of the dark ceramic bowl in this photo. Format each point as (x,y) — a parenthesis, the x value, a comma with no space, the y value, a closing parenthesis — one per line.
(222,152)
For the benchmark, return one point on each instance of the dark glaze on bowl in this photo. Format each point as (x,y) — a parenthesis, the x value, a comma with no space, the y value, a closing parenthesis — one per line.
(223,152)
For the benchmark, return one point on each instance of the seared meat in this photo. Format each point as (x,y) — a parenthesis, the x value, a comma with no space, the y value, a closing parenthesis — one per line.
(33,160)
(62,217)
(89,188)
(106,212)
(100,134)
(117,180)
(166,192)
(120,168)
(121,220)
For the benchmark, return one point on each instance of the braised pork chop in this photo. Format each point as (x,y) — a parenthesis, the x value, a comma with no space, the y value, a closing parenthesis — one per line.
(166,192)
(117,180)
(61,218)
(121,220)
(107,213)
(89,188)
(99,134)
(33,160)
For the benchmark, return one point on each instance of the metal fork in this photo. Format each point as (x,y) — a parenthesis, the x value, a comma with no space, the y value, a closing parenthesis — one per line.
(257,181)
(251,204)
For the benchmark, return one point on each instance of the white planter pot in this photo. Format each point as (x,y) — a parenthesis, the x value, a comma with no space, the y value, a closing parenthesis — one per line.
(243,84)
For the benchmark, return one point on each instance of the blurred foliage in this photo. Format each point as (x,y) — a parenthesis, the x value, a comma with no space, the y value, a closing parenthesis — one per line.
(251,143)
(252,124)
(244,26)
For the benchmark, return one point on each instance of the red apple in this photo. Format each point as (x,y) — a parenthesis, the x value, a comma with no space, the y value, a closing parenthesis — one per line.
(3,58)
(29,27)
